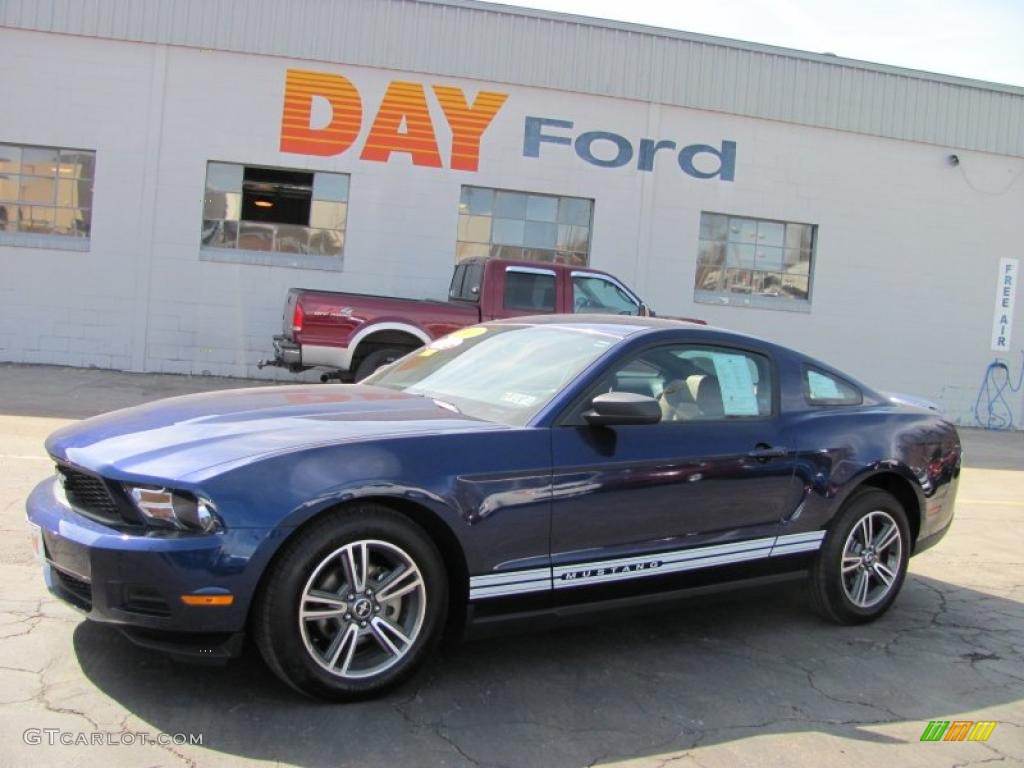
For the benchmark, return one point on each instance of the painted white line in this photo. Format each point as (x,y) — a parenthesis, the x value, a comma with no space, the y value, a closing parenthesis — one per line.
(992,502)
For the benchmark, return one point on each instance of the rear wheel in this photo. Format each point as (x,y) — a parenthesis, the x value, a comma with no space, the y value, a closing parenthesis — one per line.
(378,359)
(861,567)
(352,605)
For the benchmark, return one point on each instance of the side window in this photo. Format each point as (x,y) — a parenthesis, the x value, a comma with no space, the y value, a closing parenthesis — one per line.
(458,276)
(696,383)
(530,291)
(466,282)
(822,388)
(592,294)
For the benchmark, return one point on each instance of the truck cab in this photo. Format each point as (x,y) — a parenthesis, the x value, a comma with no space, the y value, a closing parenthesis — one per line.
(503,288)
(350,335)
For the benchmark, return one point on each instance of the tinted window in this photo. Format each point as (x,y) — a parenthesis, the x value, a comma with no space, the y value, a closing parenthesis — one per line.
(591,293)
(822,388)
(466,282)
(530,291)
(696,383)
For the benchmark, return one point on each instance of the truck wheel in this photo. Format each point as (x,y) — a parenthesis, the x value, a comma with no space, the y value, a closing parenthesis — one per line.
(376,360)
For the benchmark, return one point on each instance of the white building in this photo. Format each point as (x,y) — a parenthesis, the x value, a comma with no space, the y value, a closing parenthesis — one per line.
(855,211)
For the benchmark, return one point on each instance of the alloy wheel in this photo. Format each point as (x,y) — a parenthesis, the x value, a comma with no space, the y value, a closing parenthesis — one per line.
(362,609)
(871,559)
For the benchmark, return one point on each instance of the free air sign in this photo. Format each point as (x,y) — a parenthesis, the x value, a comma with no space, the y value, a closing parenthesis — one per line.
(1006,295)
(323,114)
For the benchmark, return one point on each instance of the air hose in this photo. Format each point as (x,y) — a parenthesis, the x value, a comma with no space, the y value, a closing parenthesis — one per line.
(991,409)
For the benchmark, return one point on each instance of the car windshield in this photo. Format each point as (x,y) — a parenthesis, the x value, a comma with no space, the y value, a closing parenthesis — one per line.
(501,373)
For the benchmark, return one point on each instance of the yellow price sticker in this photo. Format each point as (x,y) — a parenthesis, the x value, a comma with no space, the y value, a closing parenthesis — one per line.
(468,333)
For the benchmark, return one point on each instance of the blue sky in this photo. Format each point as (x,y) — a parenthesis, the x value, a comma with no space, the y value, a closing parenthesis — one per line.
(982,39)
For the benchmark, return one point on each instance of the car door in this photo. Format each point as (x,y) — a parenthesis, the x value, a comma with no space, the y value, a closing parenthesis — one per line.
(706,487)
(524,291)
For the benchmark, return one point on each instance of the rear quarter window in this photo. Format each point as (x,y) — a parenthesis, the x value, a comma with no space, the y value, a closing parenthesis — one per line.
(821,388)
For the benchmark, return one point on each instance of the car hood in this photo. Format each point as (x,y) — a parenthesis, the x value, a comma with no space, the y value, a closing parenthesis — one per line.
(176,437)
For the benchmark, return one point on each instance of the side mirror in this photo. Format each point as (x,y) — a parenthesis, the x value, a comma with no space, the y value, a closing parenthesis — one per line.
(645,311)
(621,408)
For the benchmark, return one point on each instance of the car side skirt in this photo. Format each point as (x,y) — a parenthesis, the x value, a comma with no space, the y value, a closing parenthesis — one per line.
(528,613)
(594,572)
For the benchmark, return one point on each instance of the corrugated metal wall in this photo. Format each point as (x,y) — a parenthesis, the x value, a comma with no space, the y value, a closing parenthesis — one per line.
(498,44)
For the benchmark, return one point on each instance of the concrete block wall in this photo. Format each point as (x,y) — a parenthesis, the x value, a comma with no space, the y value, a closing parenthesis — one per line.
(903,280)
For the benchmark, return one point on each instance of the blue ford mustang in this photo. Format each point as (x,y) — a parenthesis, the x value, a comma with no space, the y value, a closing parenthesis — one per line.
(523,469)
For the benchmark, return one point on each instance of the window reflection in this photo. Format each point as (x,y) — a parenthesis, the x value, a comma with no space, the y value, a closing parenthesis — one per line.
(526,226)
(756,257)
(274,209)
(46,190)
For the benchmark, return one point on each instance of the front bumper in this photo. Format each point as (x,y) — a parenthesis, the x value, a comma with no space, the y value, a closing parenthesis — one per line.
(136,580)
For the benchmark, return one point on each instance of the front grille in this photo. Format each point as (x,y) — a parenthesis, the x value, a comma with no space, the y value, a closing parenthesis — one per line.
(91,495)
(79,589)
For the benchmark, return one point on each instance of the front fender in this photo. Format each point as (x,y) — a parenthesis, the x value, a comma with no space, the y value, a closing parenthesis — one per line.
(489,489)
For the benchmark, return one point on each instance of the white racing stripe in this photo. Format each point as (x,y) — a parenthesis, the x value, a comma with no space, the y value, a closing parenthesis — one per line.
(618,569)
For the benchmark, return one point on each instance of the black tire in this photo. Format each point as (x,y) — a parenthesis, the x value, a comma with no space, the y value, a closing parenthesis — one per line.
(377,359)
(297,650)
(831,592)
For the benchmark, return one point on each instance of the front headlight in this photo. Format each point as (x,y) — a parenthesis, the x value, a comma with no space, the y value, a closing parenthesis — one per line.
(175,509)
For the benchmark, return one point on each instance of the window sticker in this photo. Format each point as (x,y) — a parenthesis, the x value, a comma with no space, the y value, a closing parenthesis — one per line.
(519,399)
(468,333)
(822,387)
(452,340)
(733,372)
(445,342)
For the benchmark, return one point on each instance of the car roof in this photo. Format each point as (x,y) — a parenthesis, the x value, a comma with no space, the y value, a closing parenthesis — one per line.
(617,325)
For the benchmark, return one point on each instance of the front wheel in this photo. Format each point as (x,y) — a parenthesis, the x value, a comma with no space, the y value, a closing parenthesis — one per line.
(352,605)
(859,571)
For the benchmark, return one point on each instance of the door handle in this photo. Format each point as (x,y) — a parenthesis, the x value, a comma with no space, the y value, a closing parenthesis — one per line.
(764,452)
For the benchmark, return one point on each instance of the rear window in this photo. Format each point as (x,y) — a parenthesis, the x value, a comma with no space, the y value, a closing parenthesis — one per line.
(821,388)
(530,291)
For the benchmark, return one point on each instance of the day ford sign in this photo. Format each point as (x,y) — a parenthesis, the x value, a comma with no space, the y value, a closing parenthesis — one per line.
(403,123)
(606,149)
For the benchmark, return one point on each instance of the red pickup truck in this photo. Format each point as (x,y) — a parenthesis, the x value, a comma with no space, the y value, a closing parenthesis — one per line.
(354,334)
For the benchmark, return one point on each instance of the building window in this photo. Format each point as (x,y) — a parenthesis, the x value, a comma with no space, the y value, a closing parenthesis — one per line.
(504,224)
(45,195)
(276,210)
(754,262)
